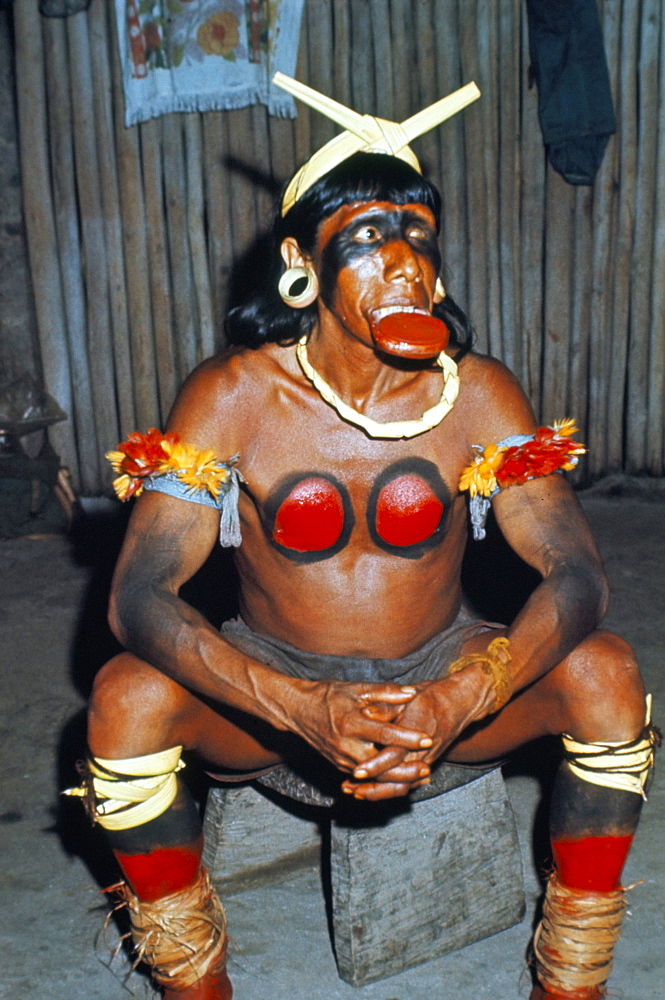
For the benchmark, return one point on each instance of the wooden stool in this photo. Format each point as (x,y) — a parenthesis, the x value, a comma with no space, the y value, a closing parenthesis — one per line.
(411,879)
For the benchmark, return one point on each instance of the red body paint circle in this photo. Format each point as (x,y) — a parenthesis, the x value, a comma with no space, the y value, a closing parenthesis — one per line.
(407,511)
(311,517)
(411,335)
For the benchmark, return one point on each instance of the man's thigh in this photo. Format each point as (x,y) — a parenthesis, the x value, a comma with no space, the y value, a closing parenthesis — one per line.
(595,693)
(136,710)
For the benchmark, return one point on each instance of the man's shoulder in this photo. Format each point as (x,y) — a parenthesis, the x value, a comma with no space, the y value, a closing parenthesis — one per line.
(222,394)
(494,403)
(477,368)
(234,373)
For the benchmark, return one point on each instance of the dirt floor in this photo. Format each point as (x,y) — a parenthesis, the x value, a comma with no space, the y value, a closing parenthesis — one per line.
(53,638)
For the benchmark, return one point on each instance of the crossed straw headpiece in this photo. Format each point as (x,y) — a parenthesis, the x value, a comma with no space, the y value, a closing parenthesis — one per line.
(364,132)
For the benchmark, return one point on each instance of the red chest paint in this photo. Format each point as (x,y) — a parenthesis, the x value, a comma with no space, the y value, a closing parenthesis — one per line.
(592,863)
(311,517)
(407,511)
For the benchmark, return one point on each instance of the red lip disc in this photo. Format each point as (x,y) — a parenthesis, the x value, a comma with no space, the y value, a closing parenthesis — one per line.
(410,335)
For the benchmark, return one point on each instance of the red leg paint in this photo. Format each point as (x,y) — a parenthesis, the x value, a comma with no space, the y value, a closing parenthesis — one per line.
(593,863)
(163,871)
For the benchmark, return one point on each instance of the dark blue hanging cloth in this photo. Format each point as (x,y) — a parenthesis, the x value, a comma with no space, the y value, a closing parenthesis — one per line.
(569,66)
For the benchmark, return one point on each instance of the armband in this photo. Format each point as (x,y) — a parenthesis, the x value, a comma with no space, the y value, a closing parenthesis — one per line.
(515,460)
(164,463)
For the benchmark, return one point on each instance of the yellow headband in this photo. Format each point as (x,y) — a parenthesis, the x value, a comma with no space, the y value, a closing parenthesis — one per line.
(364,133)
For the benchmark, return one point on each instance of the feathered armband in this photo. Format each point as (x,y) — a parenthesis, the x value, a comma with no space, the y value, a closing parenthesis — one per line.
(162,462)
(515,460)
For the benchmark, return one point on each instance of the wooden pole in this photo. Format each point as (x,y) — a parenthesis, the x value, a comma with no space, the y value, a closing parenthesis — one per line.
(240,140)
(382,42)
(616,333)
(427,147)
(341,44)
(656,389)
(135,245)
(185,313)
(401,61)
(321,77)
(264,195)
(301,133)
(617,41)
(647,168)
(218,212)
(487,39)
(364,97)
(452,169)
(197,236)
(159,275)
(69,251)
(508,85)
(580,313)
(40,226)
(100,347)
(560,208)
(474,140)
(531,225)
(100,54)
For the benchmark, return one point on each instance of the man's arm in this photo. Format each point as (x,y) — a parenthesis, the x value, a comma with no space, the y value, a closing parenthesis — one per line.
(167,541)
(544,524)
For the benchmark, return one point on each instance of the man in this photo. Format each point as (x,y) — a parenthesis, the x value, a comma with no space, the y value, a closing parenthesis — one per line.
(338,450)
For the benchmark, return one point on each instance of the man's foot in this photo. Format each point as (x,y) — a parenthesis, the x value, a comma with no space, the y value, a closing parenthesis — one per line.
(213,986)
(590,993)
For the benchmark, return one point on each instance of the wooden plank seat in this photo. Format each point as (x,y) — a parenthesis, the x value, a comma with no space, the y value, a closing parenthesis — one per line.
(410,879)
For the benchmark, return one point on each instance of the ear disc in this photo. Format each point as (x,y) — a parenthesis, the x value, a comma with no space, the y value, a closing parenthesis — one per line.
(411,335)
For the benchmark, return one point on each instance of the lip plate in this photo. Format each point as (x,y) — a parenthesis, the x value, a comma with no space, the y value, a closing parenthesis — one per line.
(410,334)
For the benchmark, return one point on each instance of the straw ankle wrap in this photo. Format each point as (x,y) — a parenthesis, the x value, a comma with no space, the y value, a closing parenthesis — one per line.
(182,937)
(574,942)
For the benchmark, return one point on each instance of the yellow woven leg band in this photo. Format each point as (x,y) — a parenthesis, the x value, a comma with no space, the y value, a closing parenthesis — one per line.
(624,766)
(121,794)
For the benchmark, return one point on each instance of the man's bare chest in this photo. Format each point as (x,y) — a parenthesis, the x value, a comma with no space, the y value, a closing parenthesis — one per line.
(316,502)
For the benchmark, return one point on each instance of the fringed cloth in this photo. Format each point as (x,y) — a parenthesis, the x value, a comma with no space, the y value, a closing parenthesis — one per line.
(574,942)
(205,56)
(182,937)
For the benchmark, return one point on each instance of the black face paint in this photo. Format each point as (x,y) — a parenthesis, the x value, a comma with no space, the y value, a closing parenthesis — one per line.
(342,248)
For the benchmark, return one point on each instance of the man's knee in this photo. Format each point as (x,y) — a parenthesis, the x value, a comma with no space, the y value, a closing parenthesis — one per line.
(602,690)
(132,701)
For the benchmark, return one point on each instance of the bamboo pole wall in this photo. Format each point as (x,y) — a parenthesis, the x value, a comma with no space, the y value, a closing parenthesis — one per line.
(134,234)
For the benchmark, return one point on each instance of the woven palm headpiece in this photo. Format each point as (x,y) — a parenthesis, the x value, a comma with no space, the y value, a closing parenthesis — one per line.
(364,132)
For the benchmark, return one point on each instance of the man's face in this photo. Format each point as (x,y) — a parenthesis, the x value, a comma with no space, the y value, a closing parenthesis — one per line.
(374,258)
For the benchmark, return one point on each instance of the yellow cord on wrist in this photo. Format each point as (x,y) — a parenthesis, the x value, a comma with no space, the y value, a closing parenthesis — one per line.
(495,662)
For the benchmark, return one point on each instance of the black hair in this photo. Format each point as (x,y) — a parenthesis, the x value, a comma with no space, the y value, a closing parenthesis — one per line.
(362,177)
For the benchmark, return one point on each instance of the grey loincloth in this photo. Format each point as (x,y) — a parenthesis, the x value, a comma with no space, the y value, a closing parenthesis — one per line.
(319,785)
(427,663)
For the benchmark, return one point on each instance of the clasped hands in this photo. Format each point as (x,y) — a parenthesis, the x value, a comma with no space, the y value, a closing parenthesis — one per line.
(393,770)
(385,736)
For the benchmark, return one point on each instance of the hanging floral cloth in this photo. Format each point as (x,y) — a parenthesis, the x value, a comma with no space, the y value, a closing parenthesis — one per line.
(205,55)
(515,460)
